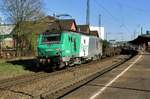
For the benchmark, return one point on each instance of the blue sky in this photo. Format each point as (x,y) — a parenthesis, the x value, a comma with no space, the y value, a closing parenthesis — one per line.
(119,17)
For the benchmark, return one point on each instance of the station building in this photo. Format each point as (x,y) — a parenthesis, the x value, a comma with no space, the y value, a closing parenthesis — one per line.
(142,42)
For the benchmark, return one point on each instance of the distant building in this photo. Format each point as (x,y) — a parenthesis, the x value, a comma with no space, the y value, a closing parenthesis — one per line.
(142,41)
(84,28)
(48,23)
(6,29)
(101,32)
(63,24)
(94,33)
(32,28)
(6,39)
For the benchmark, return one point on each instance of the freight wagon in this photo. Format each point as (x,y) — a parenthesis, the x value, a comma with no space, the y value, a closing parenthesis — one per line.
(66,48)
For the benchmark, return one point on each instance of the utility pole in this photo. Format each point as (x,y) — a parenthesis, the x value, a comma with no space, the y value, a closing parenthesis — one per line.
(106,36)
(100,23)
(141,30)
(54,14)
(88,13)
(134,35)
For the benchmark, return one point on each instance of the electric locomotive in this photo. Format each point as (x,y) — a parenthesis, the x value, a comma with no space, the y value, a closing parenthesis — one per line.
(66,48)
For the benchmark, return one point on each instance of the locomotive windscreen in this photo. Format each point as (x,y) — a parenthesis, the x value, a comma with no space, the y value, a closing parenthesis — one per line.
(50,38)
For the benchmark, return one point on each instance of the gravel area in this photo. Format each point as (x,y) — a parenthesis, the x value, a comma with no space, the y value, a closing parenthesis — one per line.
(56,82)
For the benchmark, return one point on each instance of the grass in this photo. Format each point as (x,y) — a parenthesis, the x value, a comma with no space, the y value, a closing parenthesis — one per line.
(8,70)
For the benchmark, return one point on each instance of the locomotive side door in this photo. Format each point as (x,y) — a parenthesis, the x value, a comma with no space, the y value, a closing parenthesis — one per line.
(73,45)
(84,46)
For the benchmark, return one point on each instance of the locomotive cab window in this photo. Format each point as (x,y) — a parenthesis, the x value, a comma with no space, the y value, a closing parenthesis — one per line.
(50,38)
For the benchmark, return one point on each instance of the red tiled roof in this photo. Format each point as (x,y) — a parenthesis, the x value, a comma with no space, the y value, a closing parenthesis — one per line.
(84,28)
(65,24)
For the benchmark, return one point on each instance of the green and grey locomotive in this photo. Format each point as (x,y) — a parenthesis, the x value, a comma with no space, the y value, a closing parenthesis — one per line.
(66,48)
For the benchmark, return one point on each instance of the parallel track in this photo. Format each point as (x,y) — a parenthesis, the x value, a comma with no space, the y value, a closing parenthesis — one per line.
(23,80)
(68,89)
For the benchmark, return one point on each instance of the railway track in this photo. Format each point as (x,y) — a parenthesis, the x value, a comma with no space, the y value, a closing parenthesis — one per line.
(21,81)
(76,85)
(7,84)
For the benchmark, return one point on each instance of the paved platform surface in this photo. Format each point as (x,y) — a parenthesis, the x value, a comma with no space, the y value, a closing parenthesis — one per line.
(129,81)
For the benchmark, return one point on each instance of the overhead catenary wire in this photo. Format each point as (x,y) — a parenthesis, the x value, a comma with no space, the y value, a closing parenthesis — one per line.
(135,8)
(132,7)
(113,17)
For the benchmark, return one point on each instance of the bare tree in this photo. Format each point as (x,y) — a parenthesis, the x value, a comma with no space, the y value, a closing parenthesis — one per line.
(19,11)
(22,10)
